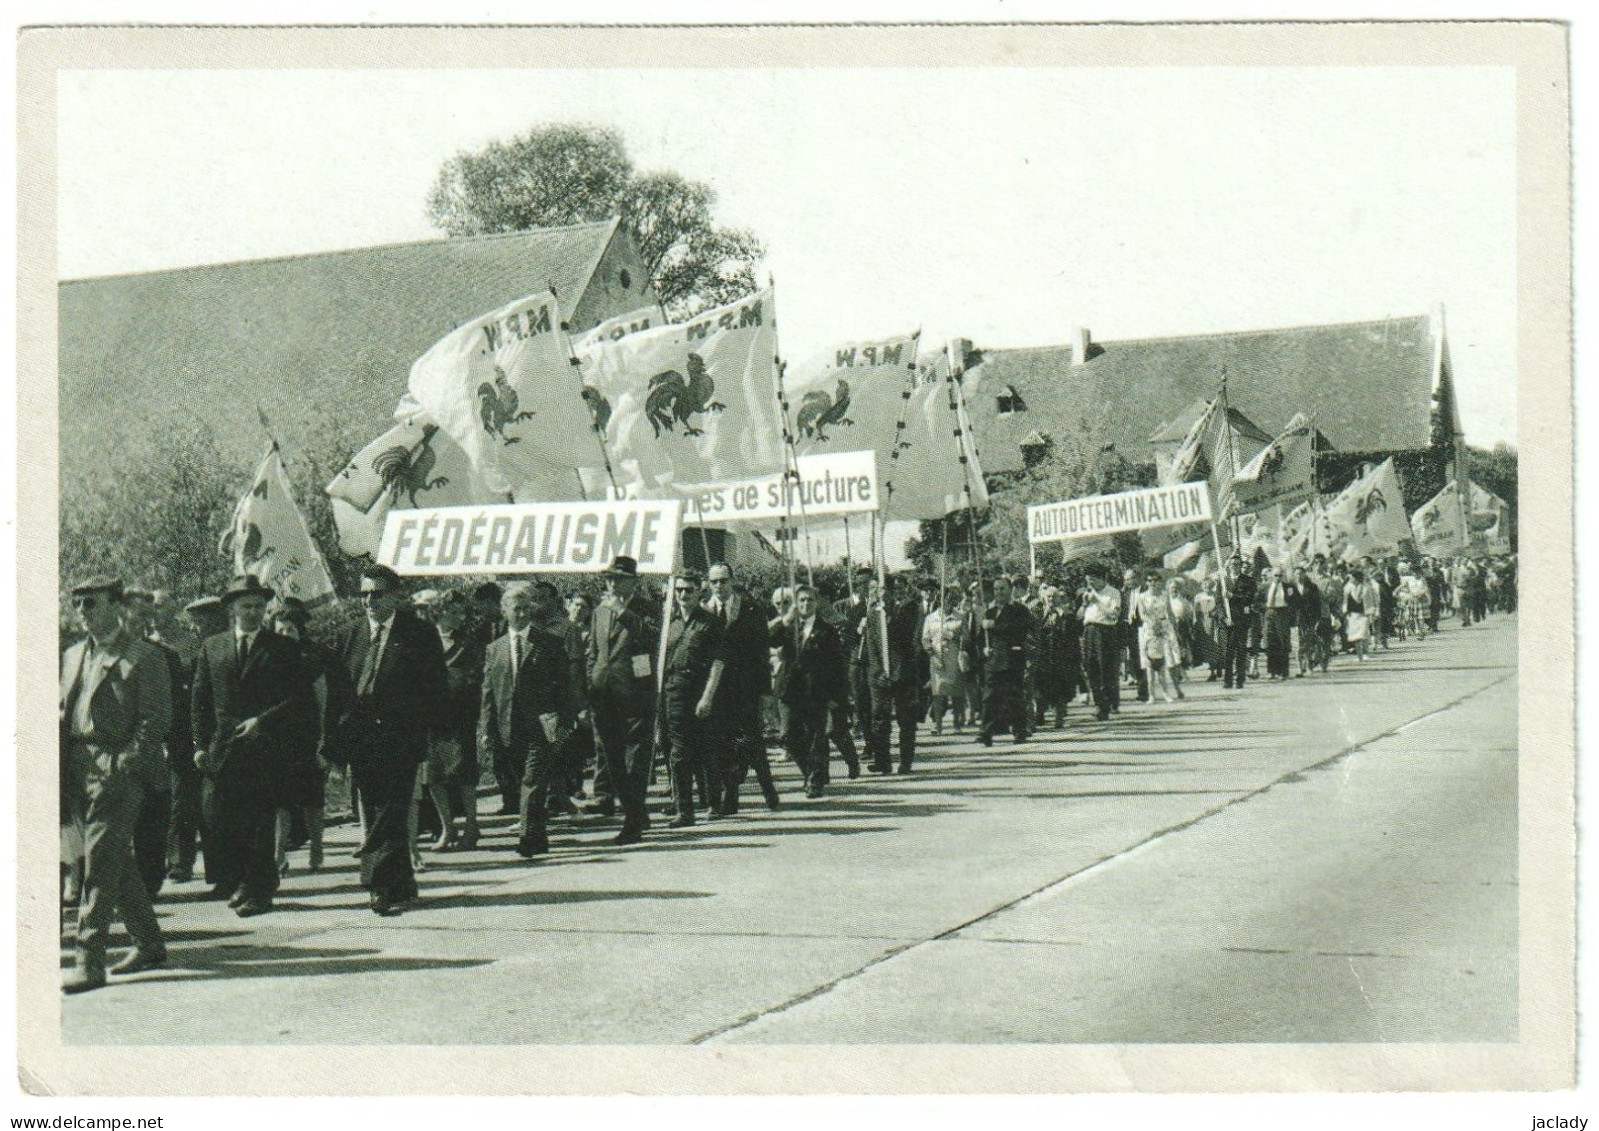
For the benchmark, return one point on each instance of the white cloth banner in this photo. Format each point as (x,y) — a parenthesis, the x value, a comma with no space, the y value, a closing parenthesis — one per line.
(531,538)
(1126,510)
(269,538)
(838,483)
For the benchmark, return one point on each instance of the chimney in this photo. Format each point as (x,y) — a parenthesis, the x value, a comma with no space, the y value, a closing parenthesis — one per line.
(958,349)
(1079,344)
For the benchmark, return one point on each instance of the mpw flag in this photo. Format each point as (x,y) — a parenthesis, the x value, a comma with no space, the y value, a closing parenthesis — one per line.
(871,394)
(1206,453)
(505,388)
(414,464)
(269,539)
(1436,525)
(1368,517)
(691,402)
(1490,521)
(1281,472)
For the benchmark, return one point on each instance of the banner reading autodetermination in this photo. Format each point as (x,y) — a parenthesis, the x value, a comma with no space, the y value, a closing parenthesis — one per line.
(836,483)
(1128,510)
(531,538)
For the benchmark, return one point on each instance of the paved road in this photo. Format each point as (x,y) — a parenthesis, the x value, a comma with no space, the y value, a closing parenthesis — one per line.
(1330,859)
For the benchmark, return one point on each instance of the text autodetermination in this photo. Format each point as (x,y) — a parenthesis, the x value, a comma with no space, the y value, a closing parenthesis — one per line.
(1111,514)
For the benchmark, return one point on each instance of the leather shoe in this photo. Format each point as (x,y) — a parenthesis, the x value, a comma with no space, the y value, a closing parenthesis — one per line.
(81,981)
(238,899)
(180,875)
(683,822)
(601,808)
(537,848)
(385,908)
(138,961)
(986,739)
(855,770)
(903,770)
(218,892)
(814,792)
(253,907)
(628,836)
(874,768)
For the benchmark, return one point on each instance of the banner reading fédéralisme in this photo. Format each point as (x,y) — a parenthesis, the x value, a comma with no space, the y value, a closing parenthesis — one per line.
(531,538)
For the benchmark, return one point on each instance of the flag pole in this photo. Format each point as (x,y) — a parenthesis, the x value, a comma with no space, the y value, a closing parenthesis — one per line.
(849,562)
(705,539)
(957,369)
(594,416)
(1232,452)
(882,597)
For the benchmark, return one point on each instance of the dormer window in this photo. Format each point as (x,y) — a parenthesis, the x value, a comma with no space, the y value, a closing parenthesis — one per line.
(1009,401)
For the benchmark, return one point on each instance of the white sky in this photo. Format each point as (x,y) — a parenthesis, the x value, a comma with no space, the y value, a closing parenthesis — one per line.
(1000,205)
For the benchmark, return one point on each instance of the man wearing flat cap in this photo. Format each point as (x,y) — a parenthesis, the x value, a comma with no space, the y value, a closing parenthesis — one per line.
(623,660)
(116,706)
(252,701)
(383,694)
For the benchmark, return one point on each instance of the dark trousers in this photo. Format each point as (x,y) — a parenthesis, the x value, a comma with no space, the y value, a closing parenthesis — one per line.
(535,786)
(860,690)
(187,831)
(738,736)
(1101,659)
(385,792)
(839,733)
(1278,642)
(1004,704)
(1234,653)
(150,839)
(894,706)
(242,816)
(624,730)
(508,776)
(805,740)
(687,739)
(1135,662)
(111,883)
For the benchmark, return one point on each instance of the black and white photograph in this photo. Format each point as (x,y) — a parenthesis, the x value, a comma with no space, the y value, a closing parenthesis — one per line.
(803,551)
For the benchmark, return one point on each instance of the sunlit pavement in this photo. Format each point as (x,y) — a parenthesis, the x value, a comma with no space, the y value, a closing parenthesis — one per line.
(1327,859)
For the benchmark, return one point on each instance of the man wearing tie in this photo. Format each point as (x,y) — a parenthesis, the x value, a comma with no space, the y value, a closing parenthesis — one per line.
(251,698)
(737,738)
(529,705)
(622,687)
(116,706)
(813,679)
(1007,629)
(382,697)
(1282,606)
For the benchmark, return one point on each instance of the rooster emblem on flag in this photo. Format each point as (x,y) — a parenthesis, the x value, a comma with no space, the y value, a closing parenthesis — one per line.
(1369,507)
(672,399)
(819,409)
(403,469)
(599,407)
(498,407)
(1272,462)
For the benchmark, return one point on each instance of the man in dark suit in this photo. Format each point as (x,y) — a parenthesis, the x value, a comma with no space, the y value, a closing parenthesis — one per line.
(155,816)
(383,695)
(116,706)
(692,673)
(737,734)
(188,830)
(1236,623)
(528,705)
(1007,627)
(850,614)
(623,669)
(895,678)
(813,681)
(251,699)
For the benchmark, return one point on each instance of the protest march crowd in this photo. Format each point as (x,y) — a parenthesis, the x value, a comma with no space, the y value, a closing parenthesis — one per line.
(197,744)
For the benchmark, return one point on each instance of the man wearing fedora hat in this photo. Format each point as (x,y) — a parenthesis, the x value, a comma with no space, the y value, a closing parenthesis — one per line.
(252,701)
(115,709)
(622,661)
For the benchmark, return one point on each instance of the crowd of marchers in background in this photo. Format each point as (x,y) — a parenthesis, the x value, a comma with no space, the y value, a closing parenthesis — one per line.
(198,742)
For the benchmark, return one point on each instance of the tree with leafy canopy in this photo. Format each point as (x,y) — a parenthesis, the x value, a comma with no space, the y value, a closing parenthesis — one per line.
(573,173)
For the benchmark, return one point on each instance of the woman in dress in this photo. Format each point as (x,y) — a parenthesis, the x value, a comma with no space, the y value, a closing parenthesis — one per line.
(450,773)
(303,775)
(943,638)
(1157,639)
(1357,614)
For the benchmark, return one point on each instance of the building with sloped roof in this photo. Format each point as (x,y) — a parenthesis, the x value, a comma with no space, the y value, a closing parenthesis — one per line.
(312,341)
(1368,387)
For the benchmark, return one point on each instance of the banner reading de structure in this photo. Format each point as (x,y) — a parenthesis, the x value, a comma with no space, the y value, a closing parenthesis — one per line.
(1127,510)
(531,538)
(838,483)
